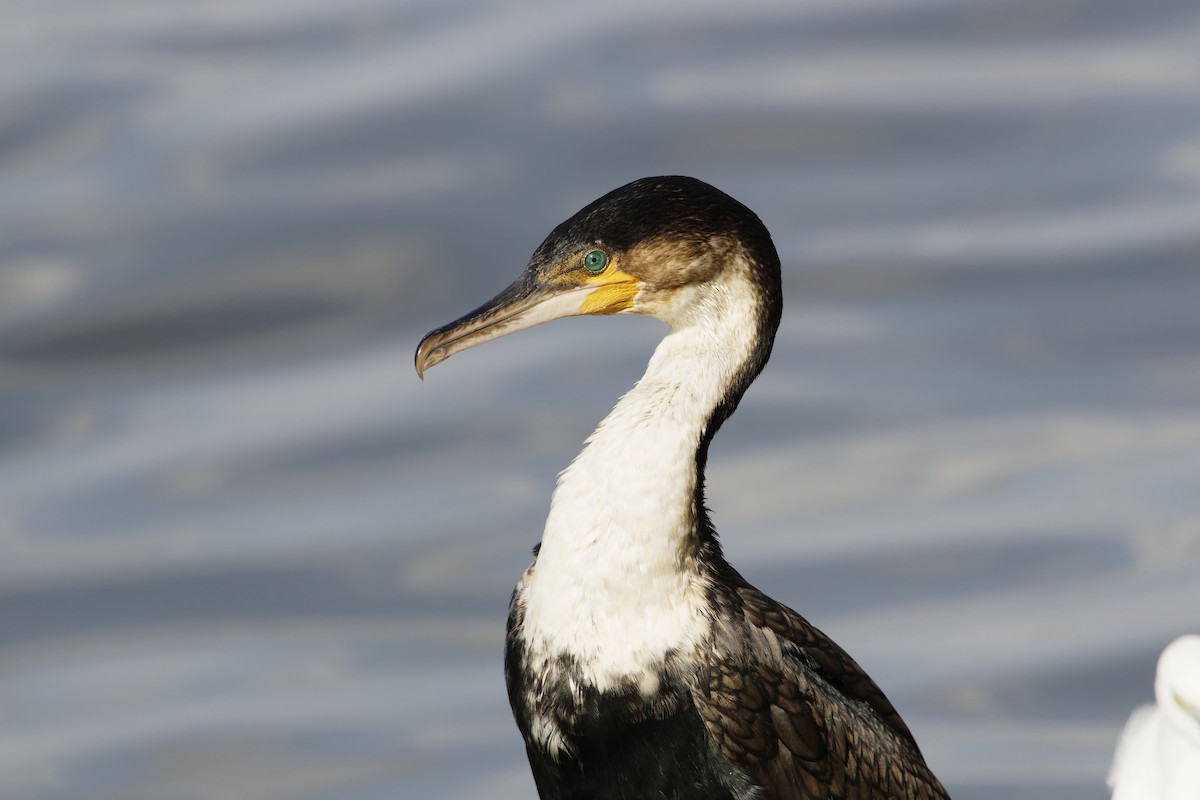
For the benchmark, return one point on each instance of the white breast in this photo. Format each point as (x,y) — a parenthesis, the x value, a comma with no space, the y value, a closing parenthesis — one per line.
(616,585)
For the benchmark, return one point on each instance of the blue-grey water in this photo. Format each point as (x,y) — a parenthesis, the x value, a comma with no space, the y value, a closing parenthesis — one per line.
(245,553)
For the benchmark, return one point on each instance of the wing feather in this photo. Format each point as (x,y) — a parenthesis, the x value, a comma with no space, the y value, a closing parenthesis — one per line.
(801,718)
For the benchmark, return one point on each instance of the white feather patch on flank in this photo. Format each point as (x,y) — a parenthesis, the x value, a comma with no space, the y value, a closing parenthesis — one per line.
(615,585)
(545,732)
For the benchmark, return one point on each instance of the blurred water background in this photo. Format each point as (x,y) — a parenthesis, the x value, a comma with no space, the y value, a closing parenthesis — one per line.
(245,553)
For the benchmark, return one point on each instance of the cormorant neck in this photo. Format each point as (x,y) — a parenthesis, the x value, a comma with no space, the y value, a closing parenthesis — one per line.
(640,474)
(620,559)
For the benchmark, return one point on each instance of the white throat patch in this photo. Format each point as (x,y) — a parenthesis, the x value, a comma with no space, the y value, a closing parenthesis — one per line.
(616,585)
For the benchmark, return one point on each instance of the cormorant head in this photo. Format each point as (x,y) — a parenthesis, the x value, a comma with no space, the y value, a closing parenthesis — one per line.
(656,246)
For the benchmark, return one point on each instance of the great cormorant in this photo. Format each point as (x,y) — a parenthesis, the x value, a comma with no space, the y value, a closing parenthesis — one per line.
(639,663)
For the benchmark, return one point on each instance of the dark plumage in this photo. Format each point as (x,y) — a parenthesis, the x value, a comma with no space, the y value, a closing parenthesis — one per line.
(639,664)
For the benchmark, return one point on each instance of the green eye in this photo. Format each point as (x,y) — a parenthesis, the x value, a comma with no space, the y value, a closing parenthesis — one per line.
(595,261)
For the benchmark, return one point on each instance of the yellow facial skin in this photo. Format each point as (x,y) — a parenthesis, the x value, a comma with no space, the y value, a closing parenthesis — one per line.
(614,290)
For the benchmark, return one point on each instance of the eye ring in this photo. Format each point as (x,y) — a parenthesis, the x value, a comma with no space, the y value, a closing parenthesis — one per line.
(595,261)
